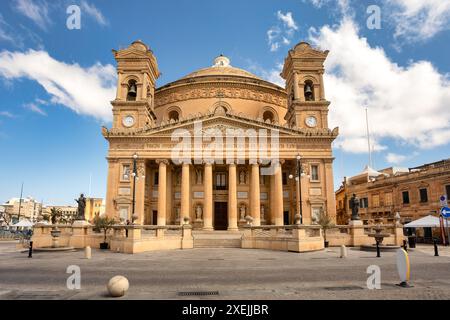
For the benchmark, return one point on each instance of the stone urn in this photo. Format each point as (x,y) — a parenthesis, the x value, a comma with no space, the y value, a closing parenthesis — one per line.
(56,233)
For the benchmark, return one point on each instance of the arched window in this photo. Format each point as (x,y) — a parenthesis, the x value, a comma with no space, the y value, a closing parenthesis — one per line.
(268,115)
(173,115)
(309,90)
(132,91)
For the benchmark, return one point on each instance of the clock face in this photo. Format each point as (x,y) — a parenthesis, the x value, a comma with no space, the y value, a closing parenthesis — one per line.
(128,121)
(311,122)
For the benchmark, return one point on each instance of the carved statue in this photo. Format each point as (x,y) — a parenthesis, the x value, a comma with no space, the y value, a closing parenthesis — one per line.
(354,205)
(199,174)
(199,212)
(177,213)
(263,209)
(242,212)
(81,207)
(242,177)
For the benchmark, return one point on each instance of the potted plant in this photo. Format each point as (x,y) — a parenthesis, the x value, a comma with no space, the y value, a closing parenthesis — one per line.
(326,223)
(104,224)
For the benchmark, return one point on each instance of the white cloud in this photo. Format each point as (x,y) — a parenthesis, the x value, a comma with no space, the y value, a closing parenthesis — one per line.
(84,90)
(342,5)
(5,32)
(6,114)
(94,12)
(37,11)
(287,20)
(395,158)
(271,75)
(35,108)
(281,34)
(408,104)
(418,20)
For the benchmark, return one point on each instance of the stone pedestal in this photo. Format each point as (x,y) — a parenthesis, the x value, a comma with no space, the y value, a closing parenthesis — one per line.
(78,239)
(358,237)
(187,241)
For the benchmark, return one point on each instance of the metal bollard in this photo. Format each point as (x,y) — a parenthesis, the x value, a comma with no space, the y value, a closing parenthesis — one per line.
(378,249)
(30,250)
(436,251)
(405,247)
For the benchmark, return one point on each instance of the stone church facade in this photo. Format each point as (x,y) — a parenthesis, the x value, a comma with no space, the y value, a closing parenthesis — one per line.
(252,176)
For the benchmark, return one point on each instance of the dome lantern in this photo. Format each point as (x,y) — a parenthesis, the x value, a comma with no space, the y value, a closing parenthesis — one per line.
(221,61)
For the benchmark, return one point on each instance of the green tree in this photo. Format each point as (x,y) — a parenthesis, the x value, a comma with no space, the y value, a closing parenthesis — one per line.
(104,223)
(325,222)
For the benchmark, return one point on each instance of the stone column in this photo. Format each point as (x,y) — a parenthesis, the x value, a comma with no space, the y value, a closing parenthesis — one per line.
(278,196)
(208,197)
(271,199)
(185,190)
(329,184)
(322,87)
(296,87)
(169,195)
(162,189)
(255,200)
(232,197)
(140,191)
(112,187)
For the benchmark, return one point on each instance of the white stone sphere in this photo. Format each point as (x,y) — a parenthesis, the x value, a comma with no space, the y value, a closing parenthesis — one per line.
(118,286)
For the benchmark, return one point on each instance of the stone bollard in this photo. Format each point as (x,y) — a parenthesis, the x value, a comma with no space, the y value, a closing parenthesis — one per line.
(87,252)
(343,251)
(118,286)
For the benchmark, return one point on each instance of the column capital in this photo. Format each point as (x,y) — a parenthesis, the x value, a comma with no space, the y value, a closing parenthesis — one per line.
(208,162)
(164,161)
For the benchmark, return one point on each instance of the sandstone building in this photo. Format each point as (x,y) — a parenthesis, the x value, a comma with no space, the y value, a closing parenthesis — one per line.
(413,193)
(205,186)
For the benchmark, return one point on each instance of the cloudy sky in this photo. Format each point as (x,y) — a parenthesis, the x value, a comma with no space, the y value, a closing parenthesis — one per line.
(56,83)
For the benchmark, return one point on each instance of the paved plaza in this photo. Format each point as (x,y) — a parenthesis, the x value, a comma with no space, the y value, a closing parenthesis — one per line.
(233,273)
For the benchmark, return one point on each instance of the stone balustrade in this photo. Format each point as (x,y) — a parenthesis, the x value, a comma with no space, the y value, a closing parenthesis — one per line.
(121,238)
(296,238)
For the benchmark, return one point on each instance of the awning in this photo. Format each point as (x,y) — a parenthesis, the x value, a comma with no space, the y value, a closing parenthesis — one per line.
(425,222)
(24,223)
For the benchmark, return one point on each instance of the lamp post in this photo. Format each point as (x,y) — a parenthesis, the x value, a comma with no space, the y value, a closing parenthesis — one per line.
(298,177)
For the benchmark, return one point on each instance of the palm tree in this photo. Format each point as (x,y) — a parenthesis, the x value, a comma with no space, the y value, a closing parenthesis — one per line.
(55,215)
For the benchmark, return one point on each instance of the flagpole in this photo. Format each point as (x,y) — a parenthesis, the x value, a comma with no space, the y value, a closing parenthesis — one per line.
(368,138)
(20,202)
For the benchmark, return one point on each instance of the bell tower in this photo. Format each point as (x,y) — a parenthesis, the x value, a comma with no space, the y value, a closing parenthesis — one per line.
(137,71)
(303,71)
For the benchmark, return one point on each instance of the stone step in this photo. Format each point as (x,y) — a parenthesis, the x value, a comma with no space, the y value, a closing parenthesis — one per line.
(217,243)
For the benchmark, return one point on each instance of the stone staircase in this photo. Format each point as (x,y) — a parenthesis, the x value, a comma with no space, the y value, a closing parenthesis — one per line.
(217,239)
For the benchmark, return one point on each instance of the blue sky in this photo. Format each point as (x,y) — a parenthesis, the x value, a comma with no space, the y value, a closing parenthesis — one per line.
(50,131)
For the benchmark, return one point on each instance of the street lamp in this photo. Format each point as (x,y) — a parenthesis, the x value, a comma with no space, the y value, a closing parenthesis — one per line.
(134,174)
(298,177)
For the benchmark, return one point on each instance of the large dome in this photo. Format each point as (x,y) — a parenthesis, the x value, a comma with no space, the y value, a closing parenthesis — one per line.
(221,67)
(237,90)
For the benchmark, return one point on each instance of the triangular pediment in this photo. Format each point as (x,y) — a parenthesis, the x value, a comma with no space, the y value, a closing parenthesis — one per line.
(208,124)
(223,122)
